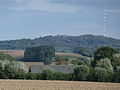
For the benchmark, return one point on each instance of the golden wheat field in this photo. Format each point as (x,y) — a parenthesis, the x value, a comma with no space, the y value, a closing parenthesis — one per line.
(55,85)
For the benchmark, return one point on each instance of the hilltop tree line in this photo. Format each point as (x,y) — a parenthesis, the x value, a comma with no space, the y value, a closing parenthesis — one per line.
(63,43)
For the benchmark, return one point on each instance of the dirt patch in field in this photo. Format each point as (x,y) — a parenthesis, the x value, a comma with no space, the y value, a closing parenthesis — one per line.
(55,85)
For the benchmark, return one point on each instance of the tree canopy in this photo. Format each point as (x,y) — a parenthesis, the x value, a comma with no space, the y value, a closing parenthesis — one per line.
(39,53)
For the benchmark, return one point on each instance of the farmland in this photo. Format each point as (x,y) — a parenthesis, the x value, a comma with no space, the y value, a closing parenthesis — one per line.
(19,54)
(55,85)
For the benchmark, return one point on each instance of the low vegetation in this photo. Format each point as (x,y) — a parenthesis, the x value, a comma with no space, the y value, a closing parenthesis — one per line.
(104,67)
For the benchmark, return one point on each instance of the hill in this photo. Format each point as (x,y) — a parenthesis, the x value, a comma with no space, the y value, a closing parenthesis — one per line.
(55,85)
(62,43)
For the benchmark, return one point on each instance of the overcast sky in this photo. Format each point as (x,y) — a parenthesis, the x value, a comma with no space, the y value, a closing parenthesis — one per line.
(35,18)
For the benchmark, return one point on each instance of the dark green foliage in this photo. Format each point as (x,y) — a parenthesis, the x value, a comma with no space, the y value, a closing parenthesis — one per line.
(47,74)
(81,72)
(60,60)
(91,74)
(28,76)
(21,76)
(116,77)
(83,51)
(5,56)
(40,53)
(62,76)
(100,74)
(63,43)
(103,75)
(32,76)
(103,52)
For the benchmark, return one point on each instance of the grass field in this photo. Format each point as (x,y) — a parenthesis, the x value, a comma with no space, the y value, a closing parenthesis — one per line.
(55,85)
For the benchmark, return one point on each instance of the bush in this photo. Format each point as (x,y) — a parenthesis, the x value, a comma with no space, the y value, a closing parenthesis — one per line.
(81,72)
(32,76)
(9,69)
(62,76)
(116,77)
(47,74)
(103,75)
(91,74)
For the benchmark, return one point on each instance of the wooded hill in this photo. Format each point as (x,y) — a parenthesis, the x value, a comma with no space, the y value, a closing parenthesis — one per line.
(63,43)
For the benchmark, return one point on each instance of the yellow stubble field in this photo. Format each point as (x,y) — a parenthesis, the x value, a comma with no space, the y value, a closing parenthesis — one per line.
(55,85)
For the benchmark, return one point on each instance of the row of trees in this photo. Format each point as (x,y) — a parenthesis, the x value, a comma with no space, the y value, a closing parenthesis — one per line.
(40,53)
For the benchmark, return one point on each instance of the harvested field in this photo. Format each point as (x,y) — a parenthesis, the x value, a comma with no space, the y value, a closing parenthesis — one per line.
(28,64)
(69,55)
(17,54)
(55,85)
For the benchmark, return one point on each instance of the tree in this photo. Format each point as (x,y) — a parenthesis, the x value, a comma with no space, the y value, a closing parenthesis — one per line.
(40,53)
(81,72)
(83,51)
(103,52)
(88,61)
(105,63)
(116,62)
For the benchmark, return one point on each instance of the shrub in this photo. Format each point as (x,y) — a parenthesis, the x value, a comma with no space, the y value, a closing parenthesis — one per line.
(32,76)
(81,72)
(102,74)
(11,68)
(62,76)
(91,74)
(47,74)
(116,77)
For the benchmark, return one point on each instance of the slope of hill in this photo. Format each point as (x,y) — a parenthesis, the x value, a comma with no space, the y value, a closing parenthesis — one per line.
(63,43)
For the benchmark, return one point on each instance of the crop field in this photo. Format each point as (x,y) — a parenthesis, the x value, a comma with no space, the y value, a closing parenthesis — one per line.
(17,54)
(28,64)
(74,55)
(55,85)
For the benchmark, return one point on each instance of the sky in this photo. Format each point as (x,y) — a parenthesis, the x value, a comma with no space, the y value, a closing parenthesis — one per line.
(34,18)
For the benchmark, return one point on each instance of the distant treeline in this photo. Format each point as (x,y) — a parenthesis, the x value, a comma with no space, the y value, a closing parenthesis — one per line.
(63,43)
